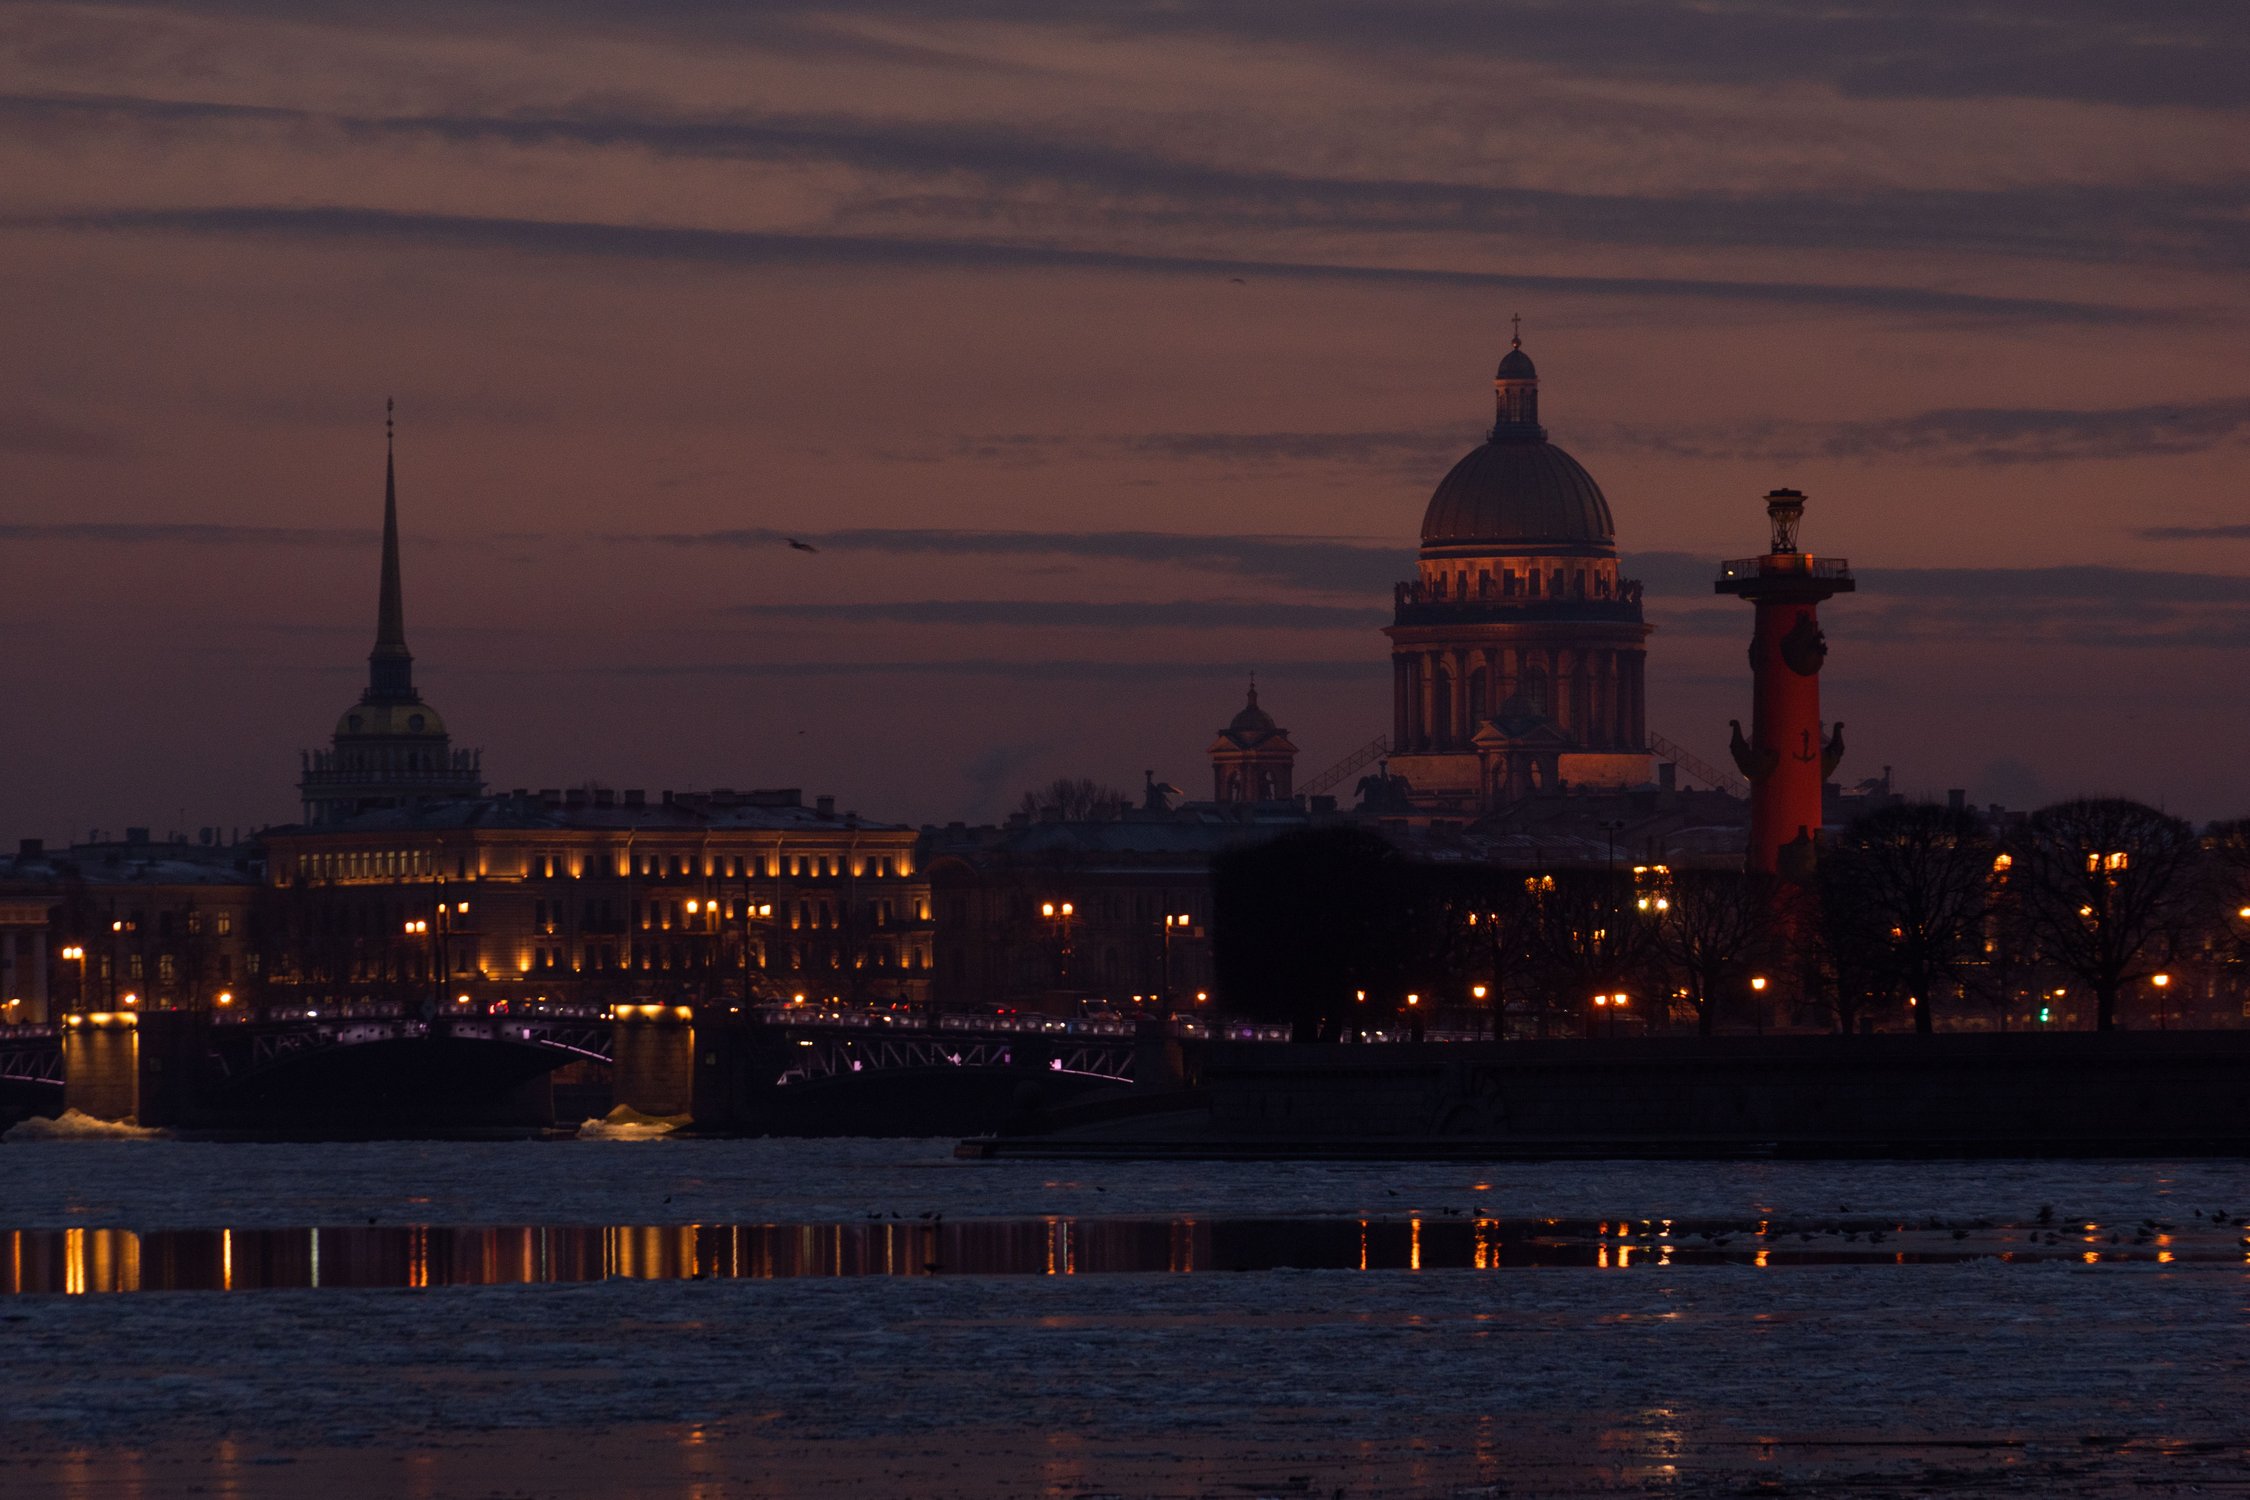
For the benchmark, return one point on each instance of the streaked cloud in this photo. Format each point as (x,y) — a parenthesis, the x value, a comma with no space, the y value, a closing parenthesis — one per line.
(1965,435)
(33,434)
(186,533)
(1048,178)
(1065,670)
(1170,614)
(1328,564)
(2089,586)
(2165,54)
(2232,532)
(693,245)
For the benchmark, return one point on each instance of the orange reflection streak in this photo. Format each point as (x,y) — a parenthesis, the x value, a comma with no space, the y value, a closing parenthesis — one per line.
(226,1260)
(1363,1244)
(1760,1262)
(1414,1245)
(1484,1248)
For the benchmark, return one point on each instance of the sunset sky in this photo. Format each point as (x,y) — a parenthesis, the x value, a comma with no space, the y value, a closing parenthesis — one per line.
(1107,352)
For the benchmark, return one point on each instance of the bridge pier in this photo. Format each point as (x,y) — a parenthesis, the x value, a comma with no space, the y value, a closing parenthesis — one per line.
(653,1059)
(127,1067)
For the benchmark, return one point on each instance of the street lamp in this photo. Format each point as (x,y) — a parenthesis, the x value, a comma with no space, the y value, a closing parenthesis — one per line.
(2163,983)
(76,953)
(1059,913)
(1173,922)
(1610,1006)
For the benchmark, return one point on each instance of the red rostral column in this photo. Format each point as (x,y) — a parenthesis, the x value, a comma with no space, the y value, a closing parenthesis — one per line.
(1785,757)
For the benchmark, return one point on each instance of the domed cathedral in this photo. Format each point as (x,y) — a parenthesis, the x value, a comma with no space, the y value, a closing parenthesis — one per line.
(390,748)
(1517,651)
(1252,759)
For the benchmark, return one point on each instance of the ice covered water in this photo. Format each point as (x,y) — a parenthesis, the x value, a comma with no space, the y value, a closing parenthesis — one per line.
(809,1309)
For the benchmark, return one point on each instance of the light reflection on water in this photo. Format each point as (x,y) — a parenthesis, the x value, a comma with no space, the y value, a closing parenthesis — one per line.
(82,1261)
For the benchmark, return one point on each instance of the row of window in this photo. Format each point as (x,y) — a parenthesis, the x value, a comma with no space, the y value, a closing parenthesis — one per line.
(1532,583)
(378,864)
(711,916)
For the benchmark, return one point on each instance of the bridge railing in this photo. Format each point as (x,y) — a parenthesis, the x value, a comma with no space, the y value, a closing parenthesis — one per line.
(1013,1025)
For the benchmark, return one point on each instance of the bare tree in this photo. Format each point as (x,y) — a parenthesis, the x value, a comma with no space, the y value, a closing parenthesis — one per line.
(1836,950)
(1073,799)
(1712,928)
(1488,928)
(2108,885)
(1590,939)
(1919,876)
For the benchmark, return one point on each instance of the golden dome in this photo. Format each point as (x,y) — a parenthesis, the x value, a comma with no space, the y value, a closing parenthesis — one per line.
(390,721)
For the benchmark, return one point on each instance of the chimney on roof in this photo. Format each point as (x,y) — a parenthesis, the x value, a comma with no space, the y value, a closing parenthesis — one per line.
(550,795)
(1667,776)
(575,797)
(31,848)
(635,797)
(604,797)
(825,806)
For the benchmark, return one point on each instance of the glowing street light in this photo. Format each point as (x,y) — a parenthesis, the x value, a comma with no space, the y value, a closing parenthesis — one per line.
(1758,981)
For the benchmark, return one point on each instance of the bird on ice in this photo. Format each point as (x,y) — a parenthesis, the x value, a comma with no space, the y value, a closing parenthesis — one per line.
(798,546)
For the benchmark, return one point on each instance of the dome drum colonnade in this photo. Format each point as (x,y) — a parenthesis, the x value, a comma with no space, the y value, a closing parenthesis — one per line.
(1518,652)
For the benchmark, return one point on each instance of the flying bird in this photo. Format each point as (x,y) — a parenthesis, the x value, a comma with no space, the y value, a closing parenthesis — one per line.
(797,546)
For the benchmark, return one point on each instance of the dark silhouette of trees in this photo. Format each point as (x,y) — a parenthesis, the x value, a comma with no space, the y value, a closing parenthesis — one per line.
(2109,886)
(1840,956)
(1489,922)
(1712,930)
(1306,922)
(1918,879)
(1589,938)
(1073,799)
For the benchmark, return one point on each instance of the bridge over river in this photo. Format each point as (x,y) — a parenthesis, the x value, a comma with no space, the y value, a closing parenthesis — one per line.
(777,1069)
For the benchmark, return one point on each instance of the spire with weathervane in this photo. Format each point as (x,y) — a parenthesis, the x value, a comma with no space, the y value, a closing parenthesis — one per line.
(390,666)
(391,749)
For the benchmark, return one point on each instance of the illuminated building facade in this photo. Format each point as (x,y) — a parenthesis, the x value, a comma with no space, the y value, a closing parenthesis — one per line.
(129,924)
(390,749)
(1085,916)
(1518,652)
(588,897)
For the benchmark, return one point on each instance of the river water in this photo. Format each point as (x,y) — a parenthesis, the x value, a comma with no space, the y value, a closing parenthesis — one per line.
(679,1318)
